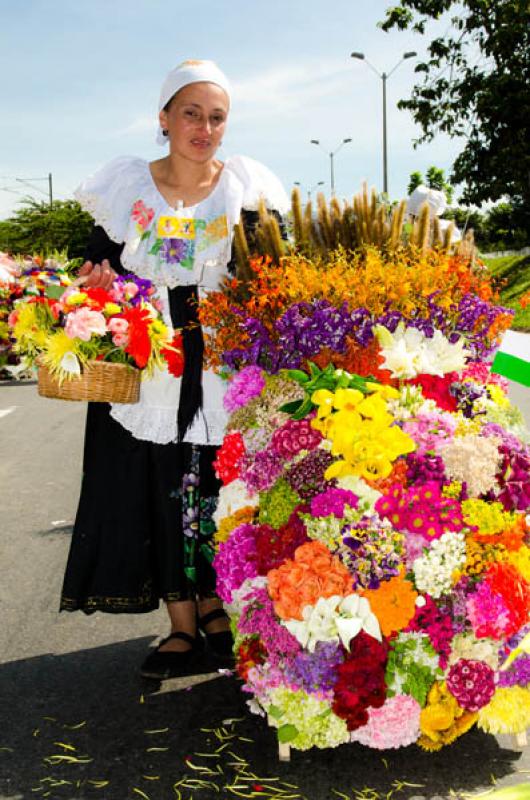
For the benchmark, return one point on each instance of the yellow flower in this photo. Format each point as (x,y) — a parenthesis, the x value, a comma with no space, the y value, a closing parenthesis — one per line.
(507,712)
(76,298)
(442,720)
(347,399)
(324,400)
(497,395)
(111,308)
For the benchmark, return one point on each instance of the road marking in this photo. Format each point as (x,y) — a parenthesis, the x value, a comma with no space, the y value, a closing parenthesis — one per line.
(5,411)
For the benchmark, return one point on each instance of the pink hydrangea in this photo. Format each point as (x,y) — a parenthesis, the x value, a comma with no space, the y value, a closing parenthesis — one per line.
(83,322)
(332,501)
(244,386)
(293,437)
(395,724)
(235,561)
(472,683)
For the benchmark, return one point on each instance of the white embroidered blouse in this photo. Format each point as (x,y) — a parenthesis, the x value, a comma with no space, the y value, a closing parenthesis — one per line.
(171,247)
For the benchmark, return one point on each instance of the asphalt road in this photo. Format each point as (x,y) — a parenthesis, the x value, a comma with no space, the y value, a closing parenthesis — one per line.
(77,722)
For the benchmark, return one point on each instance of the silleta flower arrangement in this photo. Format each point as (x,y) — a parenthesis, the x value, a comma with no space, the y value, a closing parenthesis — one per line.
(372,529)
(65,328)
(31,277)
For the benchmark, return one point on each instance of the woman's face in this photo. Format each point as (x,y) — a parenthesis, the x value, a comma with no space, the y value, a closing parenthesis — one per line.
(196,120)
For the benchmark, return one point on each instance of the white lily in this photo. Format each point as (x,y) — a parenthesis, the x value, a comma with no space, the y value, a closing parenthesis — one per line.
(332,619)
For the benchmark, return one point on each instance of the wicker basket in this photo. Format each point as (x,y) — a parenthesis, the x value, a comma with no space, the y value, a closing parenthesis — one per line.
(100,381)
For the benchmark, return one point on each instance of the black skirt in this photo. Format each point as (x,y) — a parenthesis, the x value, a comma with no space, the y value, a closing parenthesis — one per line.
(143,530)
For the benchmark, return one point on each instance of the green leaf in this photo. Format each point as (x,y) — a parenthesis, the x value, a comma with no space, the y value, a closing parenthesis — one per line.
(275,712)
(298,375)
(156,247)
(292,407)
(304,409)
(145,235)
(287,733)
(54,292)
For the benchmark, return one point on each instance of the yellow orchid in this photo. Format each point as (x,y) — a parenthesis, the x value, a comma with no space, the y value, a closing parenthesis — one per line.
(323,398)
(347,399)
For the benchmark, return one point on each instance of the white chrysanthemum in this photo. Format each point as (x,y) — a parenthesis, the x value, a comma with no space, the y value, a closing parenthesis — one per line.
(433,572)
(231,498)
(466,645)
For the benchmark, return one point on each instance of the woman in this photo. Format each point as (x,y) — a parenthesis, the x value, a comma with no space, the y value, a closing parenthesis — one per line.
(144,523)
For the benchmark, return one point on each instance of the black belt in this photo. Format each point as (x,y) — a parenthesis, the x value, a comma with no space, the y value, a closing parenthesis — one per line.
(183,308)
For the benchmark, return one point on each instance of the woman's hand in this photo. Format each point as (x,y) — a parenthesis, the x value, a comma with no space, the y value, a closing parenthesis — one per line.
(97,276)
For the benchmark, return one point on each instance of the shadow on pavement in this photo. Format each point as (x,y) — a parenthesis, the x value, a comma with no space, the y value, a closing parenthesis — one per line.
(83,725)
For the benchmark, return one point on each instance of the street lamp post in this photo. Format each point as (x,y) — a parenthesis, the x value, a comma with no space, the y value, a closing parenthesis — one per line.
(384,77)
(311,188)
(332,155)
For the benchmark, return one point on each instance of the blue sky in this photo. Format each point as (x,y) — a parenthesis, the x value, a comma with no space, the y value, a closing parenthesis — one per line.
(81,80)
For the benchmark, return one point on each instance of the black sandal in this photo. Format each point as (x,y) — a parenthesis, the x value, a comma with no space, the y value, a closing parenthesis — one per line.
(171,663)
(220,643)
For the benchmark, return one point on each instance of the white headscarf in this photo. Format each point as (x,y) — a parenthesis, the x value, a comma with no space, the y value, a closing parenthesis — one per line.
(189,72)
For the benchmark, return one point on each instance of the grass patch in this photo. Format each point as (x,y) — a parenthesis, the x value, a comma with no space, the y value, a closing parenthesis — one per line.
(512,278)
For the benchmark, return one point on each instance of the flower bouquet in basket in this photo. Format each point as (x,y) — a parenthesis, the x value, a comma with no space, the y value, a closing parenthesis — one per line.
(94,344)
(373,541)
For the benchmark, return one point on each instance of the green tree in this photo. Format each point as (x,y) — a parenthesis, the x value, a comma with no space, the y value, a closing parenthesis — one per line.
(474,84)
(434,179)
(36,227)
(415,180)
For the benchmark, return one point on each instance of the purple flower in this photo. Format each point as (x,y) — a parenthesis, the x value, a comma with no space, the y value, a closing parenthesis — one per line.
(244,386)
(332,501)
(173,251)
(259,619)
(235,561)
(518,673)
(315,672)
(260,470)
(306,477)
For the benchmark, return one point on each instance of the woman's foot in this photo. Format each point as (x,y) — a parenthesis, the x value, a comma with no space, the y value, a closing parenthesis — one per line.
(178,651)
(215,624)
(173,657)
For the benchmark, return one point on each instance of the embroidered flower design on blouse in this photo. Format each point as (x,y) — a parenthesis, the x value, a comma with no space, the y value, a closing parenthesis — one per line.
(142,215)
(178,238)
(214,231)
(177,251)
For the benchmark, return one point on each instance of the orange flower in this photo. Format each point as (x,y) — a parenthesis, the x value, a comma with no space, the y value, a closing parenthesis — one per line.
(313,573)
(393,603)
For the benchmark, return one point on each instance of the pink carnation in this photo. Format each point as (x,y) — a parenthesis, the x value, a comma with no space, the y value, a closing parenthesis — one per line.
(83,322)
(488,613)
(235,561)
(117,325)
(395,724)
(120,339)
